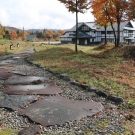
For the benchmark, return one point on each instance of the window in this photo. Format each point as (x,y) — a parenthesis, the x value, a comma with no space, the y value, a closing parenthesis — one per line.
(84,28)
(102,32)
(109,32)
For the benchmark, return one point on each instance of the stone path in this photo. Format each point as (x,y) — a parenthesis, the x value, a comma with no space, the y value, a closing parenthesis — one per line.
(35,101)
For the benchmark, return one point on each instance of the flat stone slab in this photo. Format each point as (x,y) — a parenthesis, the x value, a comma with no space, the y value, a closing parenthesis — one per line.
(25,79)
(4,75)
(33,130)
(16,102)
(16,57)
(6,62)
(58,110)
(48,88)
(21,72)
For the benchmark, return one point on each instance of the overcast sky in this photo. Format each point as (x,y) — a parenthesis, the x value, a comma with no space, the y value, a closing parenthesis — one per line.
(48,14)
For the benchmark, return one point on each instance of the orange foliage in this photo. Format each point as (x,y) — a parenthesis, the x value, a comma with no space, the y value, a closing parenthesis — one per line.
(13,35)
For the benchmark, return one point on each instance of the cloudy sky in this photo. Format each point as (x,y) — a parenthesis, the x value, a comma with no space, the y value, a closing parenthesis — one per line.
(50,14)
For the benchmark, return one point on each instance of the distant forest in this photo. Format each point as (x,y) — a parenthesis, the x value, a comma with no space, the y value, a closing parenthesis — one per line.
(49,35)
(14,33)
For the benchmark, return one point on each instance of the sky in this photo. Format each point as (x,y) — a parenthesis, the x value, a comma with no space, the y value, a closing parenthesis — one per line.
(39,14)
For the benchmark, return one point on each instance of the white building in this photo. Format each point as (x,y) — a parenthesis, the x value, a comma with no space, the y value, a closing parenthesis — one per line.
(89,33)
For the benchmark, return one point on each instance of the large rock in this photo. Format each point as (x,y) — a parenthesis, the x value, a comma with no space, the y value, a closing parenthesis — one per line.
(57,110)
(115,99)
(33,130)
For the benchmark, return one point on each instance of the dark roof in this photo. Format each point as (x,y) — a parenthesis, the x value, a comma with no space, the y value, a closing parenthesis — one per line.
(93,26)
(109,28)
(82,34)
(74,27)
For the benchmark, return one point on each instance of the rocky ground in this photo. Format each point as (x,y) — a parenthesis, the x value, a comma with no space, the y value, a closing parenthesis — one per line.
(108,122)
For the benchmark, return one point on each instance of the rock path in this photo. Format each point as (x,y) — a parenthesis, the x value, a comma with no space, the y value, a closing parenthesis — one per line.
(106,122)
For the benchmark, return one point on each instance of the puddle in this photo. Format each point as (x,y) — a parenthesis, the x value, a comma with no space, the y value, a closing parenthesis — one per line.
(25,79)
(48,88)
(21,72)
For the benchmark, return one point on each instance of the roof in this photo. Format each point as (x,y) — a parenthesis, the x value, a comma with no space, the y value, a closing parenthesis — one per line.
(133,23)
(93,26)
(127,28)
(109,28)
(31,37)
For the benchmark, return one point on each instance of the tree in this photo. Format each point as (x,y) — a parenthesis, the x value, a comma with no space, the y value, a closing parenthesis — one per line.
(7,35)
(13,34)
(99,12)
(116,12)
(76,6)
(2,33)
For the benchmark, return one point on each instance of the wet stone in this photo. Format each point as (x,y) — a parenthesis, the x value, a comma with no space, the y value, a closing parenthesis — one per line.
(16,102)
(25,79)
(5,62)
(21,72)
(57,110)
(4,74)
(48,88)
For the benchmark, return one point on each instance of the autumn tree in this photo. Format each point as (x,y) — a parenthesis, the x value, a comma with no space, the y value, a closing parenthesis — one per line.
(101,18)
(116,12)
(13,34)
(77,6)
(2,33)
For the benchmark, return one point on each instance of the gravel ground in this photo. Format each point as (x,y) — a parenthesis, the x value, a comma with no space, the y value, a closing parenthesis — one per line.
(107,122)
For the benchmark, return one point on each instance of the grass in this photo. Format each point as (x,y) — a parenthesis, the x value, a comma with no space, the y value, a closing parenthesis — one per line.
(8,131)
(106,67)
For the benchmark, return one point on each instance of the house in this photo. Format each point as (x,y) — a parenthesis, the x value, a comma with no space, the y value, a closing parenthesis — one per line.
(31,37)
(90,33)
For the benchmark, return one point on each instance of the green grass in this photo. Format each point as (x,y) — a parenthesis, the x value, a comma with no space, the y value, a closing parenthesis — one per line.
(8,131)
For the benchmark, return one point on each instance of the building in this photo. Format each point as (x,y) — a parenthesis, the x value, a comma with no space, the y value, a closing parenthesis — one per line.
(31,37)
(90,33)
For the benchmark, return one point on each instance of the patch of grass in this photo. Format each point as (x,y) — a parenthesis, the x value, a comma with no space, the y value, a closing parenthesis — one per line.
(8,131)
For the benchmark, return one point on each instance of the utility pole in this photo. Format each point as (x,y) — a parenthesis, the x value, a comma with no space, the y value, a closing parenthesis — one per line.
(76,26)
(23,34)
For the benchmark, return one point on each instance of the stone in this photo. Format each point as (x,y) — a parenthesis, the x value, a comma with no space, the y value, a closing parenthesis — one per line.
(92,89)
(57,110)
(101,93)
(75,83)
(33,130)
(64,77)
(115,99)
(16,102)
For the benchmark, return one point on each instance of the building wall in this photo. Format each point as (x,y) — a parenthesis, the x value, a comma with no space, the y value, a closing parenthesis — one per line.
(97,36)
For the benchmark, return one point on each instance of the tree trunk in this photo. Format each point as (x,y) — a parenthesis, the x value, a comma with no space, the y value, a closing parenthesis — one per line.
(76,27)
(105,34)
(114,33)
(118,30)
